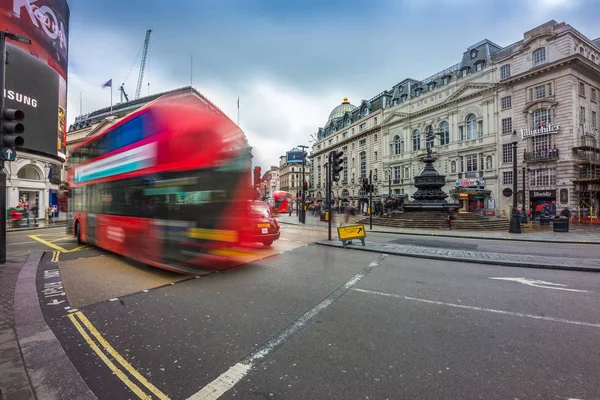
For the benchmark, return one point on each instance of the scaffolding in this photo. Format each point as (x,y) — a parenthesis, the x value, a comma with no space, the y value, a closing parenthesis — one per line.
(587,159)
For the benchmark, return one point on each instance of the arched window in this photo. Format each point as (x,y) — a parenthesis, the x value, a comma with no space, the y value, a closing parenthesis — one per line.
(397,148)
(540,118)
(488,162)
(444,133)
(29,172)
(365,112)
(416,137)
(539,56)
(453,167)
(471,127)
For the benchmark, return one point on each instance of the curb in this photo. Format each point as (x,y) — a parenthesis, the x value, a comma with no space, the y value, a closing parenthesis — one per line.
(484,237)
(467,260)
(49,368)
(58,225)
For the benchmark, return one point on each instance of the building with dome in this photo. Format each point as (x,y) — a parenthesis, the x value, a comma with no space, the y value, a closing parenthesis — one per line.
(539,94)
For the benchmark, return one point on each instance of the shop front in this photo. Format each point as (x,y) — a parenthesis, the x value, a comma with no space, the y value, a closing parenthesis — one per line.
(472,196)
(543,203)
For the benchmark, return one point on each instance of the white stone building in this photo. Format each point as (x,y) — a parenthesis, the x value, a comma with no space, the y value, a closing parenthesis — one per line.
(541,92)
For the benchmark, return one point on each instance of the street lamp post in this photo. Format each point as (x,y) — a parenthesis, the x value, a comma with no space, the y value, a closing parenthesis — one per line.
(515,223)
(524,197)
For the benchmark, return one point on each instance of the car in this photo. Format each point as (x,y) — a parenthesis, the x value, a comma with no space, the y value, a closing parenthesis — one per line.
(264,227)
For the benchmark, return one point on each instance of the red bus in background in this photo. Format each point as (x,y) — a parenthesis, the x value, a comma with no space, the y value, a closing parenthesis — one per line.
(167,186)
(281,201)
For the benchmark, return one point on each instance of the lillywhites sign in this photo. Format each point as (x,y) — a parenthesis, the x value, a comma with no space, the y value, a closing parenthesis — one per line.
(540,131)
(546,193)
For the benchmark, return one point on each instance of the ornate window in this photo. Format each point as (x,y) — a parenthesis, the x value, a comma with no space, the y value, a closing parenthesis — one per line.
(471,127)
(29,172)
(444,133)
(416,137)
(397,148)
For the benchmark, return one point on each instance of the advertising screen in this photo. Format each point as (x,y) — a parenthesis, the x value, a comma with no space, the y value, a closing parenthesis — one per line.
(294,157)
(36,74)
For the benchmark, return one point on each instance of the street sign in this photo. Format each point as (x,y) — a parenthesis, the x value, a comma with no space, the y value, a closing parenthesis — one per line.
(9,153)
(349,232)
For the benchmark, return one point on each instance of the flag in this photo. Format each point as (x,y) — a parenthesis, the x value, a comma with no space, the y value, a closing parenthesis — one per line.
(108,84)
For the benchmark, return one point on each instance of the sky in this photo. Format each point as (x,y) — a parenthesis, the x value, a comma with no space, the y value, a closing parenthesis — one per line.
(290,62)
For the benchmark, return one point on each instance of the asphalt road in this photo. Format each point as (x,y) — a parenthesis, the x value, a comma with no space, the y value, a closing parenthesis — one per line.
(323,323)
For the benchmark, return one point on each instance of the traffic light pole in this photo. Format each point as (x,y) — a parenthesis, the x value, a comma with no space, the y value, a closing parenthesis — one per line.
(371,199)
(2,173)
(302,216)
(328,197)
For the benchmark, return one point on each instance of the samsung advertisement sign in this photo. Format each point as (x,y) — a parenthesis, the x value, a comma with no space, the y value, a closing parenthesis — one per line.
(36,74)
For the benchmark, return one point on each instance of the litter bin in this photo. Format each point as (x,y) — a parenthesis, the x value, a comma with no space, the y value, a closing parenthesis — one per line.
(544,220)
(560,224)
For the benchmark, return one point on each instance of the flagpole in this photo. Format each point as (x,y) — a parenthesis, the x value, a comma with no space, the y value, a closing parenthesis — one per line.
(111,97)
(238,112)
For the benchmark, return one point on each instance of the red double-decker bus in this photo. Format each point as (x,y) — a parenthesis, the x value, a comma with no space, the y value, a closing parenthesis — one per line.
(168,185)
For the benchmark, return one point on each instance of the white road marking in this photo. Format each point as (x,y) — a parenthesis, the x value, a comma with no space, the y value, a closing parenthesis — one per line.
(14,244)
(233,375)
(115,299)
(541,284)
(489,310)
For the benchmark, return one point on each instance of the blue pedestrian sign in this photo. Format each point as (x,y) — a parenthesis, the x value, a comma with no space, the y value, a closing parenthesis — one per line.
(9,154)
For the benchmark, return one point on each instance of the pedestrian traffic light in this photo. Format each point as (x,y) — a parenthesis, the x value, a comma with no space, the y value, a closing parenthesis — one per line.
(336,167)
(12,127)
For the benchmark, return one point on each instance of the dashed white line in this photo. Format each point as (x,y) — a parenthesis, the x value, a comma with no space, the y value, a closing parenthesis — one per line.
(489,310)
(233,375)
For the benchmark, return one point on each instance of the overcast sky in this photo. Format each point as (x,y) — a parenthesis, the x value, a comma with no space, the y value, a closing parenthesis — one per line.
(290,62)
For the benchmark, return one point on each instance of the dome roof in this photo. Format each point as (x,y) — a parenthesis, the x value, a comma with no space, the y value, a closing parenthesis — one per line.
(340,110)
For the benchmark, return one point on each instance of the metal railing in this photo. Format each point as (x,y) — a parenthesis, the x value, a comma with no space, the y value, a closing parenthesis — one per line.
(540,155)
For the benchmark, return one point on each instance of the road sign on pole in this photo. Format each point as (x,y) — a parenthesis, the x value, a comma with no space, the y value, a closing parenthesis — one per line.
(9,153)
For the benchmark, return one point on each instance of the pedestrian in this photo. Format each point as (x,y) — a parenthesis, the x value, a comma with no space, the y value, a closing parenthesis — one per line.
(449,219)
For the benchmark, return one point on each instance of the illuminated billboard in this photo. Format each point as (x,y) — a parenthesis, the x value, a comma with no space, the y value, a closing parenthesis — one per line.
(294,157)
(36,74)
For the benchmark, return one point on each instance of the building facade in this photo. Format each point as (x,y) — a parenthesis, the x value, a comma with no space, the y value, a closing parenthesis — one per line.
(540,93)
(290,176)
(549,88)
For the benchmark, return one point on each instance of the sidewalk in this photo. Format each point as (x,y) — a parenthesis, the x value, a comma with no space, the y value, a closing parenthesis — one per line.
(14,381)
(40,225)
(506,259)
(578,234)
(33,363)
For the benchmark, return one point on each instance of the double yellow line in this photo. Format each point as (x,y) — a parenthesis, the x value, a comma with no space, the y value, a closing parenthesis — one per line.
(128,375)
(55,255)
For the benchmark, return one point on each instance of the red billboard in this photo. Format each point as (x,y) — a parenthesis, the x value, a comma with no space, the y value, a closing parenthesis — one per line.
(46,23)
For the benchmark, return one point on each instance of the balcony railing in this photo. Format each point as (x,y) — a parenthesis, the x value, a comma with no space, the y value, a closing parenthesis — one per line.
(540,155)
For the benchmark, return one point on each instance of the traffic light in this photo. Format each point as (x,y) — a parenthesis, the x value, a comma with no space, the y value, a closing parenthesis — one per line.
(336,167)
(305,186)
(256,176)
(12,128)
(365,184)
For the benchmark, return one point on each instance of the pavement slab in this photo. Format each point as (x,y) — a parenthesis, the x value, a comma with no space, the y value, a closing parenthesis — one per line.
(520,260)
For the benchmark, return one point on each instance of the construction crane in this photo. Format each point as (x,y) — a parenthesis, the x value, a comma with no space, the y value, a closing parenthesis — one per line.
(143,64)
(144,51)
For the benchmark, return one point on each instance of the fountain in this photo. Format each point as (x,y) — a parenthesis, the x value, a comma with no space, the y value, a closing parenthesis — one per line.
(429,195)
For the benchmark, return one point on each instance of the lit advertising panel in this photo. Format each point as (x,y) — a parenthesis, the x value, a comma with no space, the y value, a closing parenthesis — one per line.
(36,74)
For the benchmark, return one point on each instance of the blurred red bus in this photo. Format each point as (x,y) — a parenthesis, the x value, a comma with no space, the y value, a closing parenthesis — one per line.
(281,201)
(168,186)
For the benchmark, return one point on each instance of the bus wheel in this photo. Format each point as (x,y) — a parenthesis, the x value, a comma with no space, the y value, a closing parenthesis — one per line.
(78,233)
